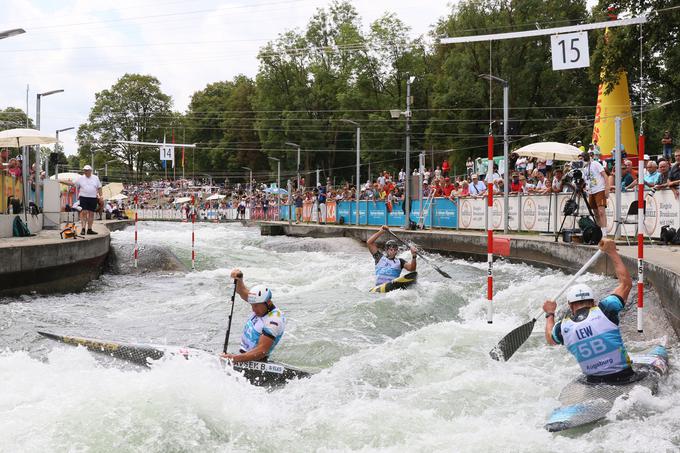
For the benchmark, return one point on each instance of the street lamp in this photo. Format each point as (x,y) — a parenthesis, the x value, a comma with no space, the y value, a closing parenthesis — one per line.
(56,150)
(395,114)
(38,170)
(250,181)
(278,178)
(506,178)
(298,161)
(358,181)
(10,33)
(106,167)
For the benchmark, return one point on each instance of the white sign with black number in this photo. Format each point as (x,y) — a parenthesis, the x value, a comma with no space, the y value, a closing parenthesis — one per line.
(570,51)
(168,153)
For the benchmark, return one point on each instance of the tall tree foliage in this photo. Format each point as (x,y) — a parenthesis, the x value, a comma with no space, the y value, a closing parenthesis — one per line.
(133,109)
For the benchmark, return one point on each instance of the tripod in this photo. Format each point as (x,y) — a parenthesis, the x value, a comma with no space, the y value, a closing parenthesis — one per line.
(571,208)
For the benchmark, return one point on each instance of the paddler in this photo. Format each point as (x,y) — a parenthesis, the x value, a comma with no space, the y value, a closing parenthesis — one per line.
(591,330)
(387,265)
(264,328)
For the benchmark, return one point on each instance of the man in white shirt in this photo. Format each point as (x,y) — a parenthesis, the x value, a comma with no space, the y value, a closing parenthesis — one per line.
(477,187)
(597,187)
(89,193)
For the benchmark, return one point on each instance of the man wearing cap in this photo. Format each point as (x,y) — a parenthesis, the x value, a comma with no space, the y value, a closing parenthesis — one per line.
(89,193)
(387,265)
(597,186)
(591,330)
(264,328)
(448,187)
(477,187)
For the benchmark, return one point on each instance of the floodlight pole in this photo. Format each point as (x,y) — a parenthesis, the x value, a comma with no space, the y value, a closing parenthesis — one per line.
(278,180)
(250,181)
(38,168)
(56,147)
(298,161)
(407,181)
(9,33)
(358,181)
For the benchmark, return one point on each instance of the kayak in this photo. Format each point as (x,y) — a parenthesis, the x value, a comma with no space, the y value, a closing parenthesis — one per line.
(404,281)
(259,373)
(584,403)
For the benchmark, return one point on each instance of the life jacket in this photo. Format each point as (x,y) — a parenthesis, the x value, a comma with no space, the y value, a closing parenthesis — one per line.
(596,343)
(387,270)
(273,323)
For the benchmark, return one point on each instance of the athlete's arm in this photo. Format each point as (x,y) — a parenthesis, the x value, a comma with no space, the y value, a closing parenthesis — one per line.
(411,265)
(259,352)
(608,246)
(549,307)
(371,241)
(241,288)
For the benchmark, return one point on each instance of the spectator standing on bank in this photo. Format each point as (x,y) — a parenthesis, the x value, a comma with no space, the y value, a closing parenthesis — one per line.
(321,217)
(627,180)
(653,177)
(89,193)
(597,187)
(667,143)
(477,187)
(298,206)
(469,166)
(445,168)
(674,173)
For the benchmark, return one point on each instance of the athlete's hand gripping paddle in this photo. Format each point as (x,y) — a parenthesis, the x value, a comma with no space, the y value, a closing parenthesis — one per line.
(231,313)
(444,274)
(510,343)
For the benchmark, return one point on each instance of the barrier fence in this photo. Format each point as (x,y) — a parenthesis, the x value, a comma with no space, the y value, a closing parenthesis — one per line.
(537,213)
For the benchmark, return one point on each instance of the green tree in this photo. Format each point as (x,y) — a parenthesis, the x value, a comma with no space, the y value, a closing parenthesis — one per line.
(133,109)
(14,118)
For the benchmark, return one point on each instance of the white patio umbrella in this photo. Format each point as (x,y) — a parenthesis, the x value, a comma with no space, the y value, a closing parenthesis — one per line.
(16,138)
(215,197)
(111,190)
(182,200)
(118,197)
(68,176)
(550,150)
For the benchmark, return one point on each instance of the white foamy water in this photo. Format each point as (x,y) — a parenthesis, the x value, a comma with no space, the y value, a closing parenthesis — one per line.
(405,371)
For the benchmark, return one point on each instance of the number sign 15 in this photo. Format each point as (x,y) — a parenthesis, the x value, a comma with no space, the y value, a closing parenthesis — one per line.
(570,51)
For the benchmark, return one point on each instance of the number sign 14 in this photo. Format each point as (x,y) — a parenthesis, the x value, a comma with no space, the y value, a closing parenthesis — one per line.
(570,51)
(167,153)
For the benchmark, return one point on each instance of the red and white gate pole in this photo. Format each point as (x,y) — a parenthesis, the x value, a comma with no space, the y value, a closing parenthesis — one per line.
(193,234)
(136,248)
(640,231)
(489,230)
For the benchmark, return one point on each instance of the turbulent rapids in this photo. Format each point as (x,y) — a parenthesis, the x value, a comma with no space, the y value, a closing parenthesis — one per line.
(407,370)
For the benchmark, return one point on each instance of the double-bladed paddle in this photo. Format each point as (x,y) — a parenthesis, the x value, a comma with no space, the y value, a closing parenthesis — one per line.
(444,274)
(231,313)
(510,343)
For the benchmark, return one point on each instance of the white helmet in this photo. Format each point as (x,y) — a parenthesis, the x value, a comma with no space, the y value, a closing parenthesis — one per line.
(259,294)
(580,292)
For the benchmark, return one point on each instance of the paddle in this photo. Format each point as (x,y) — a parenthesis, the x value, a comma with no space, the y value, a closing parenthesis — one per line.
(444,274)
(510,343)
(231,313)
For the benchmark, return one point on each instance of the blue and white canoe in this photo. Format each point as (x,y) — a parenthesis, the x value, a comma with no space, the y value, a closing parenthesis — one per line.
(584,403)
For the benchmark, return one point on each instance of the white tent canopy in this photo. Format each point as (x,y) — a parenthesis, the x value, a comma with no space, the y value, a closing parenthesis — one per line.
(182,200)
(550,150)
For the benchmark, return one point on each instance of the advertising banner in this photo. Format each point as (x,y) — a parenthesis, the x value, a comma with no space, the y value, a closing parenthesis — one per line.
(446,213)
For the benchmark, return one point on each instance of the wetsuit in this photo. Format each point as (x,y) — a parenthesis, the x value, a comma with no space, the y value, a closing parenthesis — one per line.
(593,337)
(386,269)
(272,325)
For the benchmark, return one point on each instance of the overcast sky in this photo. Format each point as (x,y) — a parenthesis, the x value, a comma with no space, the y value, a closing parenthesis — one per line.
(84,46)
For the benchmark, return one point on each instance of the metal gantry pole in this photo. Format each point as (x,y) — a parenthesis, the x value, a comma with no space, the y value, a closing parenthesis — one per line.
(506,166)
(617,177)
(407,189)
(358,183)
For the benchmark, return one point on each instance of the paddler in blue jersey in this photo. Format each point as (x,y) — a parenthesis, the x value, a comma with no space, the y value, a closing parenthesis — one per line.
(264,328)
(591,330)
(387,265)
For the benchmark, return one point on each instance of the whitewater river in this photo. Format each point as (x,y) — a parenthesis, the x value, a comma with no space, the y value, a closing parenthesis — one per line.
(403,372)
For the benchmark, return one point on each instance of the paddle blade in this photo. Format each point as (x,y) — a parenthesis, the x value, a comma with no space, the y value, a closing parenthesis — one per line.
(510,343)
(443,274)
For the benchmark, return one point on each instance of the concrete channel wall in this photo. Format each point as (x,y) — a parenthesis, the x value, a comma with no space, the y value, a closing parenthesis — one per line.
(538,251)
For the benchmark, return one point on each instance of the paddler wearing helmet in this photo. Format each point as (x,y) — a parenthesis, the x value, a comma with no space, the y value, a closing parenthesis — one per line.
(591,330)
(265,326)
(387,265)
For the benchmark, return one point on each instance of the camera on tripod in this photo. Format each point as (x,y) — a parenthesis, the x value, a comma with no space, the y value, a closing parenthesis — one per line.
(575,178)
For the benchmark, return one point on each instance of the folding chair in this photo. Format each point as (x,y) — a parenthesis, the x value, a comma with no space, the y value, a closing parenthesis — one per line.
(633,211)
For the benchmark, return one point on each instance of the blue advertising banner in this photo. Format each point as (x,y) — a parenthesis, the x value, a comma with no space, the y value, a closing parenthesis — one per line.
(445,213)
(396,217)
(283,212)
(377,213)
(342,211)
(415,212)
(362,213)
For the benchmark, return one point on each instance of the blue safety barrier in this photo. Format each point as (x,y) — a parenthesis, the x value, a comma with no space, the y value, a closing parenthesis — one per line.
(415,212)
(377,213)
(445,213)
(342,211)
(396,217)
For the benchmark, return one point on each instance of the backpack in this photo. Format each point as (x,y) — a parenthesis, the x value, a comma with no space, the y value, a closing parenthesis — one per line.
(19,228)
(69,232)
(592,234)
